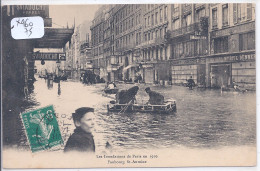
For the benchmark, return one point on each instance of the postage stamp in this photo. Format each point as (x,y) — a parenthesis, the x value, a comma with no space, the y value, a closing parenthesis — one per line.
(42,129)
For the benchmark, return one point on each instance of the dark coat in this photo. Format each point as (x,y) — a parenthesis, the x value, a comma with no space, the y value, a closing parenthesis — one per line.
(80,141)
(125,96)
(155,98)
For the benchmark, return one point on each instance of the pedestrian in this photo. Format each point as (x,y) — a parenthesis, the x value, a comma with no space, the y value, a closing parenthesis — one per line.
(82,139)
(154,97)
(190,83)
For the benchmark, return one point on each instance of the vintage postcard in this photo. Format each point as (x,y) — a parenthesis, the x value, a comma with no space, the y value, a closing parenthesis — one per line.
(128,85)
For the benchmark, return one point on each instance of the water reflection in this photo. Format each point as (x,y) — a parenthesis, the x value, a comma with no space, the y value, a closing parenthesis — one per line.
(49,84)
(59,89)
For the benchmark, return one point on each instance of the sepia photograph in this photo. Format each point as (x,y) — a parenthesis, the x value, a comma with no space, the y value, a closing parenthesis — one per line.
(128,85)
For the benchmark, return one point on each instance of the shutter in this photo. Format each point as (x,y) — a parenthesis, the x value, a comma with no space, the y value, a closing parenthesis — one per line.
(249,11)
(235,13)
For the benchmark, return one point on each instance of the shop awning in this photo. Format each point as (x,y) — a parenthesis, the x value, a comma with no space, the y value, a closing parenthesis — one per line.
(130,66)
(54,38)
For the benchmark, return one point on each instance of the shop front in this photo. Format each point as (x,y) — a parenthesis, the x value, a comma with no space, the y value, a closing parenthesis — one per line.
(148,73)
(228,69)
(220,75)
(183,69)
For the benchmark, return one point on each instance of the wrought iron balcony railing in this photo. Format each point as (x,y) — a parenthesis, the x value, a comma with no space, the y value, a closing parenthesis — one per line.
(185,30)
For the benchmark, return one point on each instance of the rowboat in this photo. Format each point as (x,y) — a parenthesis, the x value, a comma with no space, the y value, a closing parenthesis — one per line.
(169,106)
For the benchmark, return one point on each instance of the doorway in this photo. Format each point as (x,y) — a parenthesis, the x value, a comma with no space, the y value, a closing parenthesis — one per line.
(220,75)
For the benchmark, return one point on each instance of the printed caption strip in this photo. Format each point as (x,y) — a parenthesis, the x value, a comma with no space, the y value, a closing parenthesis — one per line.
(27,27)
(42,129)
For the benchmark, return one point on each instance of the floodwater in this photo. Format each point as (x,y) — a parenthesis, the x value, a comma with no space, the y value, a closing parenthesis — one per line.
(205,118)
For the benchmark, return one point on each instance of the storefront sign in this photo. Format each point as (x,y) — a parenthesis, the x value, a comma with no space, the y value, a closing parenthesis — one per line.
(194,37)
(49,56)
(189,61)
(232,58)
(32,10)
(147,65)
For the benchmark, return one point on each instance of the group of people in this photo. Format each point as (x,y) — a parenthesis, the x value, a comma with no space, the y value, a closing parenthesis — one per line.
(128,96)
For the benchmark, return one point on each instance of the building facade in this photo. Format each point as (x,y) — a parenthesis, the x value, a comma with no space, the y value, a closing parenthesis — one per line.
(169,43)
(232,45)
(189,42)
(155,48)
(97,41)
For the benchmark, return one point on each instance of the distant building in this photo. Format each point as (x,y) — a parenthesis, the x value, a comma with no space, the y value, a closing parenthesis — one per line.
(78,50)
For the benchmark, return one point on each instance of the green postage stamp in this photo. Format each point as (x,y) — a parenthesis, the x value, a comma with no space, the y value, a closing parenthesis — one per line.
(42,128)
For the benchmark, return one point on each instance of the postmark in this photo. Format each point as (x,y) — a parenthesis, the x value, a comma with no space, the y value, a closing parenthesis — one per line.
(42,128)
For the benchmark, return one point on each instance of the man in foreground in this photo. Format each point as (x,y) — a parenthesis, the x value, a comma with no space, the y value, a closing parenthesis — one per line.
(82,138)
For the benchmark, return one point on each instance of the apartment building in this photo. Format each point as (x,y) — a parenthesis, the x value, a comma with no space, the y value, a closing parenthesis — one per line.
(232,45)
(189,42)
(154,48)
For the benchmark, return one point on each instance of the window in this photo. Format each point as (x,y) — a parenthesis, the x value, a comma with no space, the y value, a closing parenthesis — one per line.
(156,34)
(247,41)
(148,20)
(200,13)
(187,20)
(160,33)
(137,38)
(145,37)
(221,45)
(152,35)
(161,14)
(249,11)
(152,20)
(214,18)
(165,50)
(149,36)
(156,18)
(176,24)
(176,10)
(242,12)
(161,53)
(224,15)
(145,22)
(165,12)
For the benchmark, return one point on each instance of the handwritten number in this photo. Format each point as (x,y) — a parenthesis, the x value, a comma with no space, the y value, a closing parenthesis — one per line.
(30,31)
(25,24)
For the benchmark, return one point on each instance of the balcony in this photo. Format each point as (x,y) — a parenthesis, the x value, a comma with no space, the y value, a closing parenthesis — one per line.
(159,40)
(126,47)
(185,30)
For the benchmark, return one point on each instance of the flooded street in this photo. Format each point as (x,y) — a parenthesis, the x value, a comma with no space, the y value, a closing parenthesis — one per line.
(204,119)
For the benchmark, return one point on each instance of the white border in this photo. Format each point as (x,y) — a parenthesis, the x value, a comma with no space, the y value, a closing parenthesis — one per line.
(63,2)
